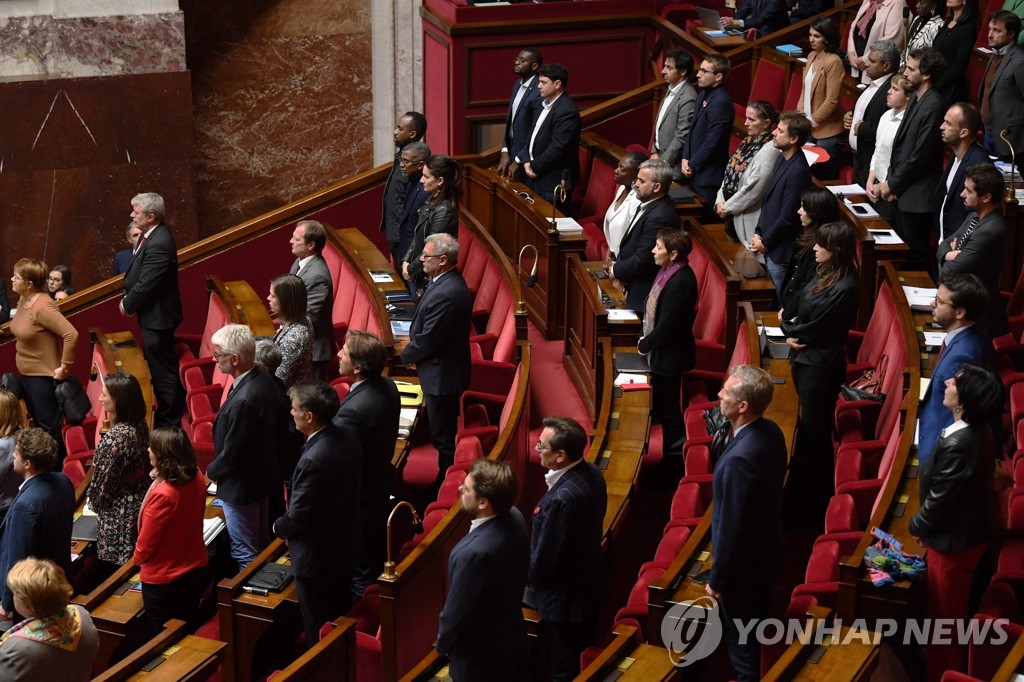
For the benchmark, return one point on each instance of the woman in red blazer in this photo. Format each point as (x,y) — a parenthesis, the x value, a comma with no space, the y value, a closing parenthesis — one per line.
(170,551)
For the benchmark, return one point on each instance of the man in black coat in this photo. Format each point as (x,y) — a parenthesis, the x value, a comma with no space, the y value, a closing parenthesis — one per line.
(410,127)
(371,409)
(567,572)
(151,292)
(244,442)
(414,155)
(959,130)
(883,58)
(523,109)
(322,521)
(439,343)
(553,150)
(634,265)
(307,243)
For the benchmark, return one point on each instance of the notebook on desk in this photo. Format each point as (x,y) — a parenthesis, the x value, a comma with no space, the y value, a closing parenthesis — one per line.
(709,18)
(631,362)
(776,350)
(85,528)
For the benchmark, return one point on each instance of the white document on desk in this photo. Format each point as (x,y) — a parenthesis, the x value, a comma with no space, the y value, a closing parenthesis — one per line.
(934,339)
(884,237)
(567,226)
(920,298)
(622,315)
(846,189)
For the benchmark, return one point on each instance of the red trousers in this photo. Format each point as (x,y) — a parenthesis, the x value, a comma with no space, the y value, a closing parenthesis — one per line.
(949,590)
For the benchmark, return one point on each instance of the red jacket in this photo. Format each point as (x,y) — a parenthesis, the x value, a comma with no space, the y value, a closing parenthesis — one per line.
(170,540)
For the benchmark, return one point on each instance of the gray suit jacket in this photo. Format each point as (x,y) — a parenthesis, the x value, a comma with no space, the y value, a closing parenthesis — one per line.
(983,255)
(675,126)
(320,306)
(1006,102)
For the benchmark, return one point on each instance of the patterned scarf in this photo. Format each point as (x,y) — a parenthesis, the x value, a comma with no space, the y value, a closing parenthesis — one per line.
(651,306)
(62,631)
(738,163)
(865,20)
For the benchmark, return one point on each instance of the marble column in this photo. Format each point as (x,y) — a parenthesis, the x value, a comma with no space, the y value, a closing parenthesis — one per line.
(397,70)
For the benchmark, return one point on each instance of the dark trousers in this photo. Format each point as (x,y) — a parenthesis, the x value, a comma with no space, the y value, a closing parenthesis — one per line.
(812,475)
(443,416)
(176,599)
(708,194)
(836,148)
(322,599)
(158,349)
(891,213)
(917,230)
(373,518)
(563,643)
(41,402)
(746,657)
(665,408)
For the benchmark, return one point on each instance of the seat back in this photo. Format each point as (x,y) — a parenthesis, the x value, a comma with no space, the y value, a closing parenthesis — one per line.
(709,324)
(769,81)
(216,317)
(600,189)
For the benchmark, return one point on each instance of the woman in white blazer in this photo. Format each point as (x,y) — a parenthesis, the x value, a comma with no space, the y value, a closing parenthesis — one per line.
(876,20)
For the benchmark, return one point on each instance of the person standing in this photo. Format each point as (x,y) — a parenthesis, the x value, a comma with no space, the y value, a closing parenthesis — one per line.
(413,160)
(672,126)
(820,102)
(442,183)
(308,242)
(151,293)
(707,147)
(900,90)
(410,127)
(746,519)
(955,42)
(818,207)
(523,108)
(481,628)
(875,20)
(287,304)
(1001,93)
(553,150)
(959,131)
(567,572)
(623,208)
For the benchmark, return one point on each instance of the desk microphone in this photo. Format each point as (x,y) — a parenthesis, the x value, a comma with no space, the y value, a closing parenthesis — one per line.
(565,179)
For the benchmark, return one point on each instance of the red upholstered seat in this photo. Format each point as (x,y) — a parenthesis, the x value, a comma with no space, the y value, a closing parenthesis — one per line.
(344,300)
(793,93)
(74,470)
(687,503)
(672,543)
(985,654)
(486,294)
(368,666)
(769,82)
(857,477)
(76,445)
(216,317)
(597,243)
(472,264)
(600,193)
(497,316)
(821,579)
(636,605)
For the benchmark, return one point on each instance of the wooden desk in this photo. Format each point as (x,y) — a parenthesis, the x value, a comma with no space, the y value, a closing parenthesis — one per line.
(719,44)
(745,278)
(332,659)
(242,305)
(851,658)
(641,662)
(185,657)
(244,618)
(118,353)
(366,254)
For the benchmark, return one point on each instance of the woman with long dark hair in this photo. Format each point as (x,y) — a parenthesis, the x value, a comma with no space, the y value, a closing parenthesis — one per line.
(59,282)
(817,337)
(120,468)
(10,424)
(955,42)
(818,206)
(442,180)
(287,300)
(820,98)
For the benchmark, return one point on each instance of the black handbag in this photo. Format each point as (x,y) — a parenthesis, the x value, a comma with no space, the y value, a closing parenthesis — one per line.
(12,382)
(719,429)
(72,400)
(868,386)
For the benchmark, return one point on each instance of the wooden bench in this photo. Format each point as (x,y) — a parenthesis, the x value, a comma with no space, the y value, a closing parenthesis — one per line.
(182,657)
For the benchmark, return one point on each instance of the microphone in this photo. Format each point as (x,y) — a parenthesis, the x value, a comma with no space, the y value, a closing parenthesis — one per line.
(565,178)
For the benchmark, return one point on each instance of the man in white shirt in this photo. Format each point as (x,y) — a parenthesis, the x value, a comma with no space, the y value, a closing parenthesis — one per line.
(673,123)
(882,61)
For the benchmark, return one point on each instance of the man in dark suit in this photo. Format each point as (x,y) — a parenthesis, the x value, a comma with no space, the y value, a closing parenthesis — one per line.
(672,125)
(883,59)
(322,521)
(523,108)
(567,571)
(439,343)
(959,303)
(123,258)
(481,628)
(979,246)
(707,148)
(1001,93)
(764,16)
(746,520)
(959,130)
(779,224)
(410,127)
(371,409)
(553,149)
(412,158)
(917,155)
(307,242)
(38,522)
(244,443)
(634,265)
(151,292)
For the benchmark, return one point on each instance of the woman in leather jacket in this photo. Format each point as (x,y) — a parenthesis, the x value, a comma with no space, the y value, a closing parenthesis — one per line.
(957,514)
(441,179)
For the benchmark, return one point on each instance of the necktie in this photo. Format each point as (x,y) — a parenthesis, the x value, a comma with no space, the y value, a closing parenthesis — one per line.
(967,233)
(142,240)
(295,268)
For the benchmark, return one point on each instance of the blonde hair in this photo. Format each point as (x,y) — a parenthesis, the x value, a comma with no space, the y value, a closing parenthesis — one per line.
(40,584)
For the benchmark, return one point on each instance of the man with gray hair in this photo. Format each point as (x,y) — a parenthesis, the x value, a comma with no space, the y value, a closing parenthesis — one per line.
(439,343)
(245,464)
(882,60)
(633,265)
(746,519)
(151,292)
(307,242)
(400,231)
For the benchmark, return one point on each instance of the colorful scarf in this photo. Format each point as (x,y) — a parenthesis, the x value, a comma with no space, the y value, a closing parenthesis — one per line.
(62,631)
(738,163)
(651,306)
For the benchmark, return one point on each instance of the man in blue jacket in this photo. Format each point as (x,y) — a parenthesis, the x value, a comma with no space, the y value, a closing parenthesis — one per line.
(707,148)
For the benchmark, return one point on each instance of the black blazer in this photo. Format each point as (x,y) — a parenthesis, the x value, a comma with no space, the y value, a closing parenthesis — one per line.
(867,133)
(323,511)
(567,568)
(414,200)
(441,218)
(955,44)
(519,129)
(245,440)
(707,146)
(917,153)
(779,224)
(955,212)
(395,189)
(957,506)
(320,306)
(151,282)
(766,16)
(670,344)
(557,147)
(983,255)
(634,263)
(439,336)
(371,409)
(802,271)
(823,322)
(481,628)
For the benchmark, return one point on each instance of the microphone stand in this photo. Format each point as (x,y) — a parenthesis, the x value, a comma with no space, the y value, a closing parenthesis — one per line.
(1011,195)
(530,280)
(389,565)
(558,196)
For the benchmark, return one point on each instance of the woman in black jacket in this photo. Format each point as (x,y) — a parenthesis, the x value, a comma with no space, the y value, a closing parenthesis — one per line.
(441,179)
(957,514)
(955,42)
(667,337)
(817,207)
(816,335)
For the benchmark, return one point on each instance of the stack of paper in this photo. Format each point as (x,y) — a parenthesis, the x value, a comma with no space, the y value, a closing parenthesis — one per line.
(211,529)
(790,50)
(621,315)
(406,419)
(568,226)
(883,237)
(626,378)
(920,298)
(411,394)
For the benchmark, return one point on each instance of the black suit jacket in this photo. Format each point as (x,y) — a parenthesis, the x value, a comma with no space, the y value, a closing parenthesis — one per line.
(1006,102)
(954,211)
(322,521)
(371,409)
(707,147)
(766,16)
(867,133)
(634,263)
(917,153)
(395,189)
(557,146)
(441,218)
(519,129)
(151,282)
(414,200)
(779,224)
(38,524)
(746,519)
(245,440)
(481,627)
(983,255)
(439,336)
(670,344)
(567,568)
(320,306)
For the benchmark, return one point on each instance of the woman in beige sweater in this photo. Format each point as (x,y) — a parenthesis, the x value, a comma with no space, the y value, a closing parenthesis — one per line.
(39,329)
(819,100)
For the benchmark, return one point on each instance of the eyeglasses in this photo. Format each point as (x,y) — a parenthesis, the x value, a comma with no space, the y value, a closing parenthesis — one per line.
(430,255)
(703,70)
(408,162)
(939,301)
(540,447)
(217,355)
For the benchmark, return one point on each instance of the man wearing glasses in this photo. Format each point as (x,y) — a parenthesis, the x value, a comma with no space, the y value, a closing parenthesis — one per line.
(707,148)
(411,161)
(410,127)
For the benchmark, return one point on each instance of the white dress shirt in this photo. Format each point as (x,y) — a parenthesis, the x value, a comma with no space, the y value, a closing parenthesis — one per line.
(887,127)
(861,105)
